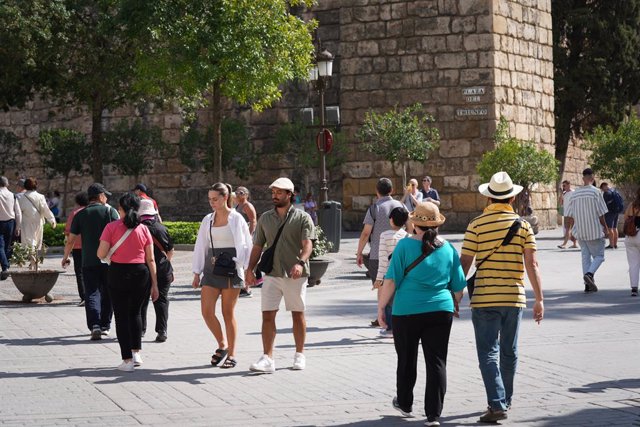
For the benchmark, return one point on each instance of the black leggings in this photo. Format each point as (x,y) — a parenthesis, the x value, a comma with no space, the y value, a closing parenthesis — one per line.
(128,288)
(432,329)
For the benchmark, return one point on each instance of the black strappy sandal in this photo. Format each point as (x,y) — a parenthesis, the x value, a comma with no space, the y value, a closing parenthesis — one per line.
(229,363)
(218,356)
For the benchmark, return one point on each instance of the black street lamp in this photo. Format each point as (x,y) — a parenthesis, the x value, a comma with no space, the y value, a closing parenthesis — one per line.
(320,74)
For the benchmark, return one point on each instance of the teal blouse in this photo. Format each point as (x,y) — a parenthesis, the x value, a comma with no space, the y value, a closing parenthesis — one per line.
(428,286)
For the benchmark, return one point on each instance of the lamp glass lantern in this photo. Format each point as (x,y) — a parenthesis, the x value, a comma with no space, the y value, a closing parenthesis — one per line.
(313,73)
(324,62)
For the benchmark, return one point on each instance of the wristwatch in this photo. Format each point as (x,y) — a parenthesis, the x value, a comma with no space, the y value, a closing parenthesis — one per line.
(301,262)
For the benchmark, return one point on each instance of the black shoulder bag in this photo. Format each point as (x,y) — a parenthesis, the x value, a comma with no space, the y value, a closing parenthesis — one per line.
(266,261)
(223,264)
(513,229)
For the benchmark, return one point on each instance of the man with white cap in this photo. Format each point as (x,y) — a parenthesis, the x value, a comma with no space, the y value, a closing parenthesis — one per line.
(499,296)
(291,231)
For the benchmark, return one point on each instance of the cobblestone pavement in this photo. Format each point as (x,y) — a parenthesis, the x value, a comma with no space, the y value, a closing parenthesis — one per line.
(579,367)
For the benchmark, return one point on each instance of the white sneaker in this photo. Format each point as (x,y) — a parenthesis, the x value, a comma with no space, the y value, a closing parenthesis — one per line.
(385,333)
(137,359)
(264,364)
(299,362)
(126,366)
(105,332)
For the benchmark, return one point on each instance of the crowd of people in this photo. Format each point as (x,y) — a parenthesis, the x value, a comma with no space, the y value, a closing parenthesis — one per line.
(122,259)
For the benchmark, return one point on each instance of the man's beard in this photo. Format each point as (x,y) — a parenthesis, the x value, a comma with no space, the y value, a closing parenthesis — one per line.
(280,203)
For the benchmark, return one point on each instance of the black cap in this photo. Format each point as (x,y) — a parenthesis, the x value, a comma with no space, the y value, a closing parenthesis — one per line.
(140,187)
(587,171)
(96,189)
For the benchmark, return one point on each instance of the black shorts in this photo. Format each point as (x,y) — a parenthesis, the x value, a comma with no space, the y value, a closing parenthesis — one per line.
(611,219)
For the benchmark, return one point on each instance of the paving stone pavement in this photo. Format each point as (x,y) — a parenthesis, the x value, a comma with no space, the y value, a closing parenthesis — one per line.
(579,367)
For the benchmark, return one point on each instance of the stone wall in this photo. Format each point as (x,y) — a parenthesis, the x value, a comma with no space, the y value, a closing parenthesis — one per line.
(467,62)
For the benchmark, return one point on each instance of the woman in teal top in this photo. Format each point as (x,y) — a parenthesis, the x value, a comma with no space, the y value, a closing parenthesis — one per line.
(424,273)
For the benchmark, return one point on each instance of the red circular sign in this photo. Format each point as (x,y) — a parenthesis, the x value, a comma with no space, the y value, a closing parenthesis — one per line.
(324,144)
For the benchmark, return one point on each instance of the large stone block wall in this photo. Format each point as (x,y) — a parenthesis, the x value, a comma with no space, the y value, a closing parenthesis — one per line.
(467,62)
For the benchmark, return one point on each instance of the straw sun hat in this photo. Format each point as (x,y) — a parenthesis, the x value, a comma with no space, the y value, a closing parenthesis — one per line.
(427,214)
(500,187)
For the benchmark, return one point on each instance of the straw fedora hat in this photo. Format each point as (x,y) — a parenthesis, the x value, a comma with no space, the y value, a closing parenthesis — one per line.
(427,214)
(500,187)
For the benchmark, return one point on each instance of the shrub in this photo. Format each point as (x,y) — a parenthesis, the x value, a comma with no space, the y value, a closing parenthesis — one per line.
(53,236)
(321,245)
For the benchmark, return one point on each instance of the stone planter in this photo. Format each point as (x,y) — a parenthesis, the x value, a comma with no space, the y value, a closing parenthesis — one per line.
(317,268)
(34,285)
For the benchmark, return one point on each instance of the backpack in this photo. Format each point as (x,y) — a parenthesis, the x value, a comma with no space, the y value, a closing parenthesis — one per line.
(618,202)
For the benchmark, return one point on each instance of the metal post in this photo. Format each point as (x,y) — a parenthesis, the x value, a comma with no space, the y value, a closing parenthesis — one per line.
(324,196)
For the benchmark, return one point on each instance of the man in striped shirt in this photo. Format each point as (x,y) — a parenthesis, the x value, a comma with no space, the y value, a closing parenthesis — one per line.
(585,216)
(499,297)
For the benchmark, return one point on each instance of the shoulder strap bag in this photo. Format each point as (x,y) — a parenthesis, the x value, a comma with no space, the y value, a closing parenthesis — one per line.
(266,260)
(513,229)
(32,203)
(223,264)
(107,259)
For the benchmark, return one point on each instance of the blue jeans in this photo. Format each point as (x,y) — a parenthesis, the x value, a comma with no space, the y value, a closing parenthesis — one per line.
(6,238)
(496,330)
(96,294)
(592,255)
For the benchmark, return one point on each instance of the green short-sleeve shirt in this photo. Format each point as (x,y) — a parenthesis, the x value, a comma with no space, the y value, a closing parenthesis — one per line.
(299,227)
(89,223)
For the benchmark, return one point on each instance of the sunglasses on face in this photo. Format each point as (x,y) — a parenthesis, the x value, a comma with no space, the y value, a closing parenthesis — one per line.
(240,193)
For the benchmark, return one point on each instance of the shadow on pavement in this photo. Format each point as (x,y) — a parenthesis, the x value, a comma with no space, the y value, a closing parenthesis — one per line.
(577,304)
(67,340)
(599,387)
(593,416)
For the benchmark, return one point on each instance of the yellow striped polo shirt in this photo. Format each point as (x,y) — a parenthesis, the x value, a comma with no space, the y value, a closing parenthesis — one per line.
(500,280)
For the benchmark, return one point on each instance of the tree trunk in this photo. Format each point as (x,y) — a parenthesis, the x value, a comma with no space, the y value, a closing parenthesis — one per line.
(216,123)
(96,139)
(63,208)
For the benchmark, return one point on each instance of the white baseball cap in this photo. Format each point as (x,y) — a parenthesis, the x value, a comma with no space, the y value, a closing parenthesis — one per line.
(283,184)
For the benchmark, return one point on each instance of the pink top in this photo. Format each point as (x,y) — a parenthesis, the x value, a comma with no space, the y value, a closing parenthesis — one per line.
(131,251)
(67,228)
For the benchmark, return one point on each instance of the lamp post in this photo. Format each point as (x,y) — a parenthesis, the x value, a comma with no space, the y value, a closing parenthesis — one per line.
(320,73)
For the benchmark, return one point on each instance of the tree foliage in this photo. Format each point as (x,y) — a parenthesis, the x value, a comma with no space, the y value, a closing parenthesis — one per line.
(525,163)
(62,151)
(131,147)
(596,65)
(12,155)
(238,154)
(615,152)
(400,135)
(297,142)
(239,50)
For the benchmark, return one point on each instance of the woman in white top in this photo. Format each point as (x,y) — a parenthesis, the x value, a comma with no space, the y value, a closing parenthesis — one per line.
(35,212)
(223,233)
(412,196)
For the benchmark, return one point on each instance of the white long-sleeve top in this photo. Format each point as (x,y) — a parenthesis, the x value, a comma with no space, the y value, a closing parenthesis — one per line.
(241,239)
(388,241)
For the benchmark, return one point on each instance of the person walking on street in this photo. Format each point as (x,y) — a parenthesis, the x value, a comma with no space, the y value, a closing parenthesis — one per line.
(288,233)
(34,214)
(142,191)
(129,246)
(499,296)
(223,235)
(424,274)
(585,214)
(162,253)
(632,245)
(615,207)
(412,196)
(375,222)
(88,224)
(567,191)
(82,200)
(429,194)
(10,222)
(248,212)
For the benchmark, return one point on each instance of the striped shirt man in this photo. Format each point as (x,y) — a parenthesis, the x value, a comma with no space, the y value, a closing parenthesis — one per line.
(500,279)
(586,206)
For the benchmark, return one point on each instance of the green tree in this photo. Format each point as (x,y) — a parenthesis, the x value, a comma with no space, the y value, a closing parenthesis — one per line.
(238,50)
(12,155)
(596,65)
(400,136)
(297,142)
(131,147)
(238,155)
(615,152)
(30,31)
(63,151)
(525,163)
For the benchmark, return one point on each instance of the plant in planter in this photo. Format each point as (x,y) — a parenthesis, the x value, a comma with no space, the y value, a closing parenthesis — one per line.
(33,283)
(317,267)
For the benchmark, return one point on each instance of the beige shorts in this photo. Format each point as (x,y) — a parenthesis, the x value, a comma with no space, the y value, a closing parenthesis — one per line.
(294,292)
